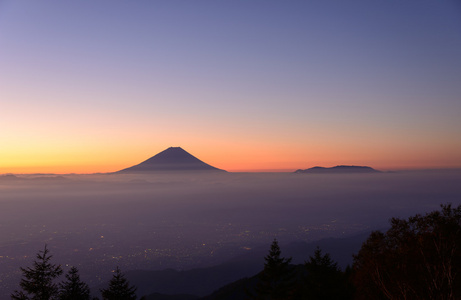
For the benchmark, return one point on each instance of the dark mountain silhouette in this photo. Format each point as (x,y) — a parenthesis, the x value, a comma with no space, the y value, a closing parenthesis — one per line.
(158,296)
(171,159)
(200,282)
(235,290)
(238,290)
(340,249)
(339,170)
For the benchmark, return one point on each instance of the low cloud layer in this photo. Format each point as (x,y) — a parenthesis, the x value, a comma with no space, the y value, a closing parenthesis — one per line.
(165,220)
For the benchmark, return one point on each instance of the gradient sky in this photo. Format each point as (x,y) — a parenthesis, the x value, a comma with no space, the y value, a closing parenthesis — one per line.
(97,86)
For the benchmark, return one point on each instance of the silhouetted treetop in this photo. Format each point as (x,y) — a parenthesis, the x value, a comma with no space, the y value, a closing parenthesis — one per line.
(73,288)
(37,281)
(418,258)
(119,288)
(276,279)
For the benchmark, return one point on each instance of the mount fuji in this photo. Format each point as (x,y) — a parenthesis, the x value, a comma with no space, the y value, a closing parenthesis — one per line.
(171,159)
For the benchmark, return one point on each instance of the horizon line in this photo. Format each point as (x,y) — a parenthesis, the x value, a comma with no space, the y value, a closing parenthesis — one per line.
(231,171)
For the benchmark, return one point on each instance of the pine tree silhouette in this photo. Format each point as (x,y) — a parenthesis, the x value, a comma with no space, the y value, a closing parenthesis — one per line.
(276,280)
(73,288)
(119,288)
(37,282)
(324,279)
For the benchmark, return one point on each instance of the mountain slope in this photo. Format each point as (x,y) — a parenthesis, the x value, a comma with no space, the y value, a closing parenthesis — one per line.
(171,159)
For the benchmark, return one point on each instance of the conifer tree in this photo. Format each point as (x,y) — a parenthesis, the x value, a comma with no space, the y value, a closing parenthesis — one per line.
(37,282)
(73,288)
(324,279)
(276,280)
(119,288)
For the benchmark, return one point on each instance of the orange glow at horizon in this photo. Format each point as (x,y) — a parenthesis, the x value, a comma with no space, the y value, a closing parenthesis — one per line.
(100,146)
(240,158)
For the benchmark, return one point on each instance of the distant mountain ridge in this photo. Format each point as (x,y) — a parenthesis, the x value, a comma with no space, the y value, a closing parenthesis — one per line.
(171,159)
(13,178)
(339,170)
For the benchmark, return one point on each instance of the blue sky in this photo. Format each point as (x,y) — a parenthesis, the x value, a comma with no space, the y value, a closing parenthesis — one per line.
(310,82)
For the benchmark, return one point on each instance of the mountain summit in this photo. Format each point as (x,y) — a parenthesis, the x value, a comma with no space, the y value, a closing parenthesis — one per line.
(171,159)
